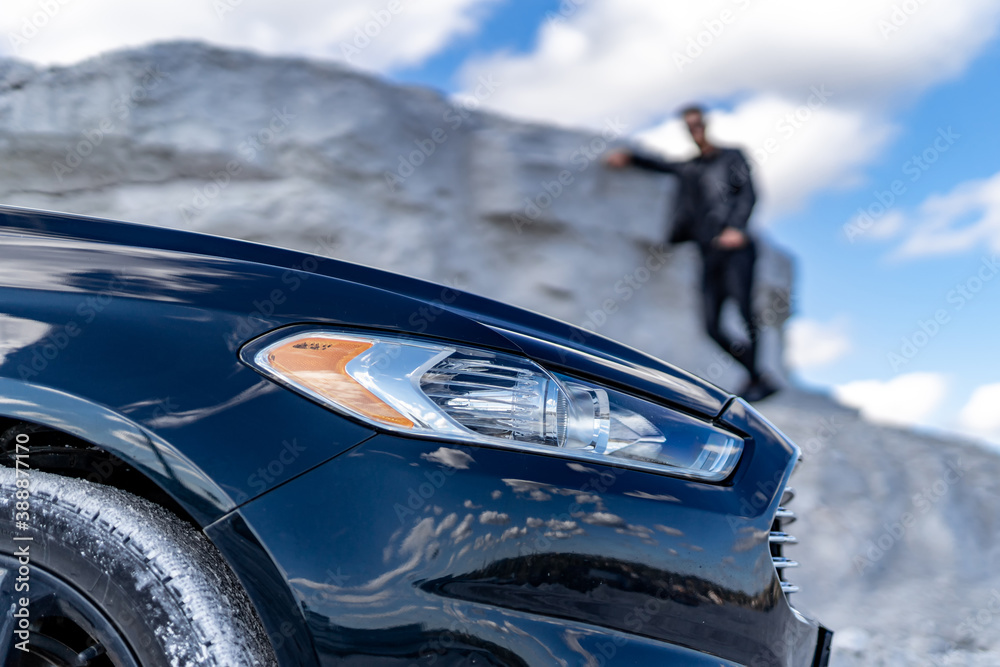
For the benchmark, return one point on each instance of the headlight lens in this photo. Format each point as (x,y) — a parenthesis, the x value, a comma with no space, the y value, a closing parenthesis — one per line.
(431,389)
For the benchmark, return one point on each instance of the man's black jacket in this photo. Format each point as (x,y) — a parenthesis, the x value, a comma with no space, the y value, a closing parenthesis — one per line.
(715,192)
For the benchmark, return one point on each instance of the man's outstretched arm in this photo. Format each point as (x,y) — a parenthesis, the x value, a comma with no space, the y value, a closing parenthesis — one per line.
(620,159)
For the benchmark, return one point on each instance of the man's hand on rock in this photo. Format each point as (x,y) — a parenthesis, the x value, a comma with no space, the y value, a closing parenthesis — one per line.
(731,239)
(617,159)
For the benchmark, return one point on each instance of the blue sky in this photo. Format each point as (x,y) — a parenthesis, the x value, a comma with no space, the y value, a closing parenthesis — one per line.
(898,79)
(884,298)
(509,26)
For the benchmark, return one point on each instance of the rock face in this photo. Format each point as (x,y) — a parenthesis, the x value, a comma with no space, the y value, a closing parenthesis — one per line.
(321,158)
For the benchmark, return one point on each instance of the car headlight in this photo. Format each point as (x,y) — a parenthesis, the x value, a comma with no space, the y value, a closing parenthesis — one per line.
(431,389)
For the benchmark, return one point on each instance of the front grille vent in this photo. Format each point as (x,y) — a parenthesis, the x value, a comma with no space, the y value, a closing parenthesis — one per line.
(779,538)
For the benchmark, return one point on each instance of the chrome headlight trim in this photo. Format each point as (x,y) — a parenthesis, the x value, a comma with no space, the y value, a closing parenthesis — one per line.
(431,389)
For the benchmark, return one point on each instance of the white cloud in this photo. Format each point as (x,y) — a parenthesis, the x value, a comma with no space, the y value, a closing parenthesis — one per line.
(905,400)
(968,217)
(367,32)
(812,344)
(981,415)
(789,143)
(615,57)
(866,226)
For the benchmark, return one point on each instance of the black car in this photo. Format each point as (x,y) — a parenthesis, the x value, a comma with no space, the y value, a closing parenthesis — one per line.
(221,453)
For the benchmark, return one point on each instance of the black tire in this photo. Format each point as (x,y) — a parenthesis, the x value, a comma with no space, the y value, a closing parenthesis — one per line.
(164,588)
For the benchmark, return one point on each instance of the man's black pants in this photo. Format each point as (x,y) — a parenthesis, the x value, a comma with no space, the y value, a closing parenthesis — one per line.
(729,274)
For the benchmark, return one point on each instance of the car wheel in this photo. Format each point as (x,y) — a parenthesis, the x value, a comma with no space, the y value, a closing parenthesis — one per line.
(113,579)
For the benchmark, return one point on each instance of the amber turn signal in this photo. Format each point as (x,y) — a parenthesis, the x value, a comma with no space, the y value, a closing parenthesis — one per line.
(319,364)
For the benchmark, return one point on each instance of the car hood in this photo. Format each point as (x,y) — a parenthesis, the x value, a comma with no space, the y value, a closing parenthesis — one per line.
(383,300)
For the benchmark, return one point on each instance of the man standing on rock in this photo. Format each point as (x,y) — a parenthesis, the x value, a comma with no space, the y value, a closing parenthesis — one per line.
(714,201)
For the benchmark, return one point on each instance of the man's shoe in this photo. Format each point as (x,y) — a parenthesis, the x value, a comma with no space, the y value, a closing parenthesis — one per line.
(758,390)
